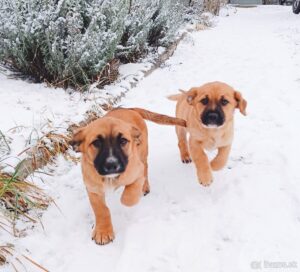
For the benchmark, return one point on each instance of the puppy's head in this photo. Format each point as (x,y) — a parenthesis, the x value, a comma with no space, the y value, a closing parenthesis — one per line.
(107,144)
(214,103)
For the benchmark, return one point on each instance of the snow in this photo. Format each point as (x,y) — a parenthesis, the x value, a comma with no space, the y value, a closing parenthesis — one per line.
(250,213)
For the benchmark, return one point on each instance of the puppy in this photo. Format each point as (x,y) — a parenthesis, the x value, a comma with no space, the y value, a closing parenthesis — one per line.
(208,111)
(114,153)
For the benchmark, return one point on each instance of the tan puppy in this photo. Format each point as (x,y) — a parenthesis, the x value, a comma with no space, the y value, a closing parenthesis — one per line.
(114,153)
(209,111)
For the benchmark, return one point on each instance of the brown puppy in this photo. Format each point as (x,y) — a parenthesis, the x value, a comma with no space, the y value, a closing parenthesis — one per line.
(114,153)
(208,111)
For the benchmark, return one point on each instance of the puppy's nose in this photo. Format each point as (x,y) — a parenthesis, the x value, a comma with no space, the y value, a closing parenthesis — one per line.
(212,116)
(111,167)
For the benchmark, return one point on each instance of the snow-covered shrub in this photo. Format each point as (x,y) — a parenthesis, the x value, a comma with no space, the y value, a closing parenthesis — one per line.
(193,11)
(137,26)
(149,23)
(167,19)
(61,41)
(69,42)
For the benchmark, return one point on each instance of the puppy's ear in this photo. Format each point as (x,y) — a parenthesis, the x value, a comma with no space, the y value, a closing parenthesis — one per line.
(241,102)
(190,96)
(78,139)
(136,135)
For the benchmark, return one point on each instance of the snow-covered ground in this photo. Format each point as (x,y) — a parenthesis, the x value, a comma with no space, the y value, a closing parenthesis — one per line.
(250,213)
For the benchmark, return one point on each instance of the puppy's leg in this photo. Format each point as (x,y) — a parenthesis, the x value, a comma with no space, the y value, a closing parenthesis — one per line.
(133,192)
(221,159)
(182,144)
(146,186)
(103,231)
(201,161)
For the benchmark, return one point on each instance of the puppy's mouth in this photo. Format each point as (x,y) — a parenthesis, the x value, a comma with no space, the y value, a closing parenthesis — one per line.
(112,181)
(113,176)
(212,126)
(213,118)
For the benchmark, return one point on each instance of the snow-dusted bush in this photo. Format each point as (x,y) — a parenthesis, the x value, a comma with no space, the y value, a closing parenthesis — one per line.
(61,41)
(150,23)
(137,26)
(166,21)
(69,42)
(194,9)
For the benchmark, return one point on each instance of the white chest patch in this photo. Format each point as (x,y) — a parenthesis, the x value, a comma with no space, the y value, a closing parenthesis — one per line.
(111,181)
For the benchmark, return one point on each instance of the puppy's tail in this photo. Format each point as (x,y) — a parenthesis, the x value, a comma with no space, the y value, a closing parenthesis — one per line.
(159,118)
(176,97)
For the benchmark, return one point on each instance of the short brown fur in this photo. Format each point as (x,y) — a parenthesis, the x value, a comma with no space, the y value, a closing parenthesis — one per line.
(130,123)
(203,138)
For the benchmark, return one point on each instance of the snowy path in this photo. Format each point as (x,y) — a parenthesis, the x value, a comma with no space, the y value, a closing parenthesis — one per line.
(250,213)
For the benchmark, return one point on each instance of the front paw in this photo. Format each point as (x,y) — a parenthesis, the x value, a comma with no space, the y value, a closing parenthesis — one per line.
(205,178)
(103,236)
(132,193)
(216,164)
(129,199)
(185,157)
(146,188)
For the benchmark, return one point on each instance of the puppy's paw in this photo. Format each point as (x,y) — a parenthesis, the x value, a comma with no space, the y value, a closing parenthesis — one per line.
(146,188)
(206,183)
(185,157)
(205,179)
(217,164)
(129,199)
(103,237)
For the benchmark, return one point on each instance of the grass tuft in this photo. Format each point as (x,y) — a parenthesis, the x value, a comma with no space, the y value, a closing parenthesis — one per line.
(19,197)
(11,258)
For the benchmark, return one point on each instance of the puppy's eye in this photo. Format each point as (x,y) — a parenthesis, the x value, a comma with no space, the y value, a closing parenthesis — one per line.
(224,101)
(97,143)
(123,141)
(204,101)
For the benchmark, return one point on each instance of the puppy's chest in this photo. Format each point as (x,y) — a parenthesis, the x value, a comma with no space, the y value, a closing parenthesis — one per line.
(111,183)
(214,141)
(211,142)
(212,138)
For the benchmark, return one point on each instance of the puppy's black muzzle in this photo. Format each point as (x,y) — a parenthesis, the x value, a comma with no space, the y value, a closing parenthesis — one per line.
(109,167)
(111,159)
(213,117)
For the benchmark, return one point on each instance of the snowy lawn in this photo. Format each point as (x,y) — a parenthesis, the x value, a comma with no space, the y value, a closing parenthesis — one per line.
(250,213)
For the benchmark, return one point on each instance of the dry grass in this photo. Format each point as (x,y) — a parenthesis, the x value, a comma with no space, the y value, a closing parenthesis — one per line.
(108,74)
(4,144)
(19,197)
(6,224)
(19,262)
(47,148)
(50,145)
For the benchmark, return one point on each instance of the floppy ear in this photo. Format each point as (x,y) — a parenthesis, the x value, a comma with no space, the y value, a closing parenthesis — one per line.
(190,96)
(136,135)
(241,102)
(78,139)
